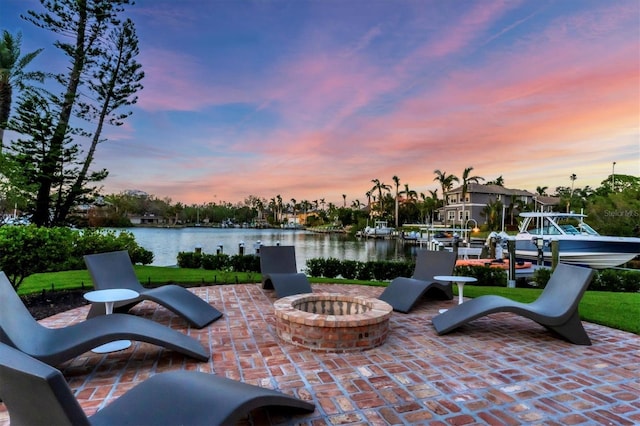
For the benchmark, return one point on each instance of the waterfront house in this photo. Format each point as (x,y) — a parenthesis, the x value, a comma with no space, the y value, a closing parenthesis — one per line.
(458,212)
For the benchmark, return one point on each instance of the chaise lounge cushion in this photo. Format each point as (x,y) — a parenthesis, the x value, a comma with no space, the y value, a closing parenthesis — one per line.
(279,271)
(37,394)
(403,293)
(556,308)
(56,345)
(114,270)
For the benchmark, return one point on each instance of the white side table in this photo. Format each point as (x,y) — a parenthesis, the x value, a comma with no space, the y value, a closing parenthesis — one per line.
(109,297)
(459,281)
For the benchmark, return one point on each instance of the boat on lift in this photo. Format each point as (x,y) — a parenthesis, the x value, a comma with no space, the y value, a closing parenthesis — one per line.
(379,230)
(578,243)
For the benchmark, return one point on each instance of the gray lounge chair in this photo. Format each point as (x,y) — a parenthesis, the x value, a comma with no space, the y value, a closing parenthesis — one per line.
(114,270)
(555,309)
(403,293)
(56,345)
(279,272)
(38,394)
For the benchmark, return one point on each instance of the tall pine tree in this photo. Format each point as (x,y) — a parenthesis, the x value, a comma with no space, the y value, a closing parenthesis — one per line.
(101,50)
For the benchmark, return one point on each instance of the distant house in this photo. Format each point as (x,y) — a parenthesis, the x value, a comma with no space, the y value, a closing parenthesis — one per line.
(458,212)
(147,219)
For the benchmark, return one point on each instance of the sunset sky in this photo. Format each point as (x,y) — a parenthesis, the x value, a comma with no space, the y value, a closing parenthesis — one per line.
(314,99)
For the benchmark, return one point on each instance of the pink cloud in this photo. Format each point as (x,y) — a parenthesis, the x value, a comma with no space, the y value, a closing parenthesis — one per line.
(564,100)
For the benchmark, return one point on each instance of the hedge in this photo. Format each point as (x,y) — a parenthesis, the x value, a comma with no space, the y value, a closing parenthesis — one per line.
(605,280)
(26,250)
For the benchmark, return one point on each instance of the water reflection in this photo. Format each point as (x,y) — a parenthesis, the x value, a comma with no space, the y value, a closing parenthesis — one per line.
(166,243)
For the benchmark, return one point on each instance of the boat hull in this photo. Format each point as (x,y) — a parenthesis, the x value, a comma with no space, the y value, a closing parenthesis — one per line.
(595,252)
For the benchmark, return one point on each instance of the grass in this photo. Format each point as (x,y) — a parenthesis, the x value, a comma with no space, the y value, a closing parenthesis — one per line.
(615,310)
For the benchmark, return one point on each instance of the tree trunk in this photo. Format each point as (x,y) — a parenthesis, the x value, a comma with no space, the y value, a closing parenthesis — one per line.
(5,108)
(41,216)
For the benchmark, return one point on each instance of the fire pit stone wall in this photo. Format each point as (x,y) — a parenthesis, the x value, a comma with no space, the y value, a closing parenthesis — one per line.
(332,322)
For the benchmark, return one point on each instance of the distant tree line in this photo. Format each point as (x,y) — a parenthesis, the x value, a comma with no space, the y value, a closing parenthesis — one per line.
(611,211)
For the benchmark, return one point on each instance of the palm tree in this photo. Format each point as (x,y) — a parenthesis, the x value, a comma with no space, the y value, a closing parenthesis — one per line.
(428,205)
(305,205)
(396,181)
(446,182)
(280,207)
(542,190)
(466,180)
(573,178)
(409,193)
(514,204)
(12,74)
(409,202)
(344,200)
(273,207)
(294,207)
(499,181)
(492,212)
(379,186)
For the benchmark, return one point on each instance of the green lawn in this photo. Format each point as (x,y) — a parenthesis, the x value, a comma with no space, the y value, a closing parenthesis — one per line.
(616,310)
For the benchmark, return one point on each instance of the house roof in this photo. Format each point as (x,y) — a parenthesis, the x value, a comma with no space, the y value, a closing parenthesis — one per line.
(491,189)
(547,200)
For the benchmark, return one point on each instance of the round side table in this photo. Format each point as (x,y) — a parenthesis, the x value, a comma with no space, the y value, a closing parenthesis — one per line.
(109,297)
(459,281)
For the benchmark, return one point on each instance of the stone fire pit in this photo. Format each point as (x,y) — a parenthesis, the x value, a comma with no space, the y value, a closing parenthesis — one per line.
(332,322)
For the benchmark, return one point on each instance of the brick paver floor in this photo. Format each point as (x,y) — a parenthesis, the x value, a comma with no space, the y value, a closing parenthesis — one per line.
(498,370)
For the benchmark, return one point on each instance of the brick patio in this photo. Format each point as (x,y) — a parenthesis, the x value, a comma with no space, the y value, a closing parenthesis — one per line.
(499,370)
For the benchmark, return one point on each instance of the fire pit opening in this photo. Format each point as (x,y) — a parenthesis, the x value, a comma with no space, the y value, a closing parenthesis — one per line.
(332,322)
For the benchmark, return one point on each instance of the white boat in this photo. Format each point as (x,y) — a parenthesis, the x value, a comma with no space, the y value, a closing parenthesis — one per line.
(380,230)
(579,243)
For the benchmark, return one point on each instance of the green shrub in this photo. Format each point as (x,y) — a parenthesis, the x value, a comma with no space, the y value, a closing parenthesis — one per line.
(377,270)
(245,263)
(606,280)
(541,277)
(631,281)
(26,250)
(485,275)
(332,267)
(365,271)
(216,262)
(349,269)
(315,267)
(189,259)
(401,269)
(90,241)
(141,256)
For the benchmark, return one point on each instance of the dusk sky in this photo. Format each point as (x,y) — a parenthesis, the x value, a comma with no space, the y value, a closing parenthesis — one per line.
(314,99)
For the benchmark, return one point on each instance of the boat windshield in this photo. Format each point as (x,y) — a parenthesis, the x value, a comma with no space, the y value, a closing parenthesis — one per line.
(570,230)
(542,226)
(556,225)
(586,229)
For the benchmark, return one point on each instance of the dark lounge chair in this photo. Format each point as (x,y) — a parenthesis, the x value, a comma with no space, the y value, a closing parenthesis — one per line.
(38,394)
(56,345)
(403,293)
(279,272)
(114,270)
(556,308)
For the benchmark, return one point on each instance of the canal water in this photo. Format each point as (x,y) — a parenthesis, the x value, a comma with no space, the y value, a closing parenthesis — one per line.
(165,243)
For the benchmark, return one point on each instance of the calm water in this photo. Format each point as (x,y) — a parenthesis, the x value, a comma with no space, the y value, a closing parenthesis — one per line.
(165,243)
